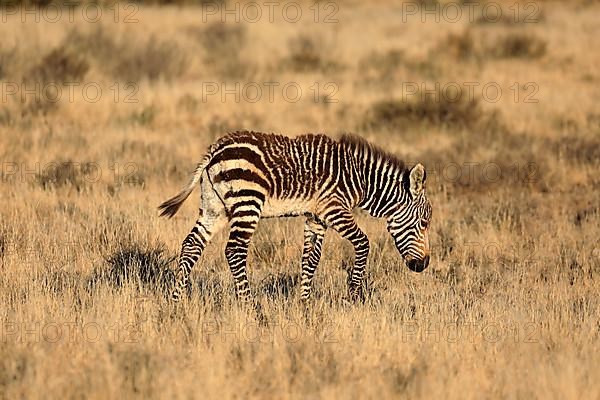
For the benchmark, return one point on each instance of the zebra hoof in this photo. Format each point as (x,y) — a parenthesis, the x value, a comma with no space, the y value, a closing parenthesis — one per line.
(356,294)
(176,296)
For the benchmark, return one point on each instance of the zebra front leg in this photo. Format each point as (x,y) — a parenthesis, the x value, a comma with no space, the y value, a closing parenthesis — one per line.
(343,222)
(192,248)
(314,232)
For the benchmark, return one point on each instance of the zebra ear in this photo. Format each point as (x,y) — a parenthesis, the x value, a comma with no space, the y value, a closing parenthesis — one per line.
(417,180)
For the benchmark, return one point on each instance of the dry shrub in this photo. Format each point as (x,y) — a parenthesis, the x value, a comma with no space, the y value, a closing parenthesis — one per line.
(6,117)
(154,59)
(518,45)
(466,46)
(67,173)
(519,162)
(223,45)
(130,60)
(95,43)
(137,262)
(6,57)
(14,365)
(385,67)
(309,53)
(588,214)
(397,114)
(60,65)
(461,46)
(378,65)
(188,103)
(577,149)
(144,116)
(279,285)
(138,370)
(223,38)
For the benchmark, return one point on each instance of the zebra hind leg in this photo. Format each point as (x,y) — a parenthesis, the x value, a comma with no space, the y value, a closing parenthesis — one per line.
(212,220)
(314,232)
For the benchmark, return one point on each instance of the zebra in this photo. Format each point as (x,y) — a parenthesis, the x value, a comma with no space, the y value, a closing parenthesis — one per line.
(247,175)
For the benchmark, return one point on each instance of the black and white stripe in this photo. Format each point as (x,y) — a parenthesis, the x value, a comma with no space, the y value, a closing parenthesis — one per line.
(246,176)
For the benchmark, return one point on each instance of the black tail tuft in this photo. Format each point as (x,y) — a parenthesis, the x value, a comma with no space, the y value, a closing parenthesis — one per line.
(171,206)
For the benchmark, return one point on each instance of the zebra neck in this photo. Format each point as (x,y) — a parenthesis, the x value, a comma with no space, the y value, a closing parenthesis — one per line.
(382,185)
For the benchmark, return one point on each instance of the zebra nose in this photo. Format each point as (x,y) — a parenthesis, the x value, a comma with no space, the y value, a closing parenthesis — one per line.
(418,265)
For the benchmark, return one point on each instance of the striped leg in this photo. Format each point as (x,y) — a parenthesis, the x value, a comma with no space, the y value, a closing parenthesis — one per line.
(192,248)
(244,220)
(314,232)
(343,222)
(212,219)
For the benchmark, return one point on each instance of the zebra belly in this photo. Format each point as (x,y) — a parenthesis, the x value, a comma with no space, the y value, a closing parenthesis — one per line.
(275,207)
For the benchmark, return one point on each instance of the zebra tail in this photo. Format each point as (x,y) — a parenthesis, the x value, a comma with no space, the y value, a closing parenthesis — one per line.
(171,206)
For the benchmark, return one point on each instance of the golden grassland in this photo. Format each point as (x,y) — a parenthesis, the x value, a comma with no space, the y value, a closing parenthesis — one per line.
(509,306)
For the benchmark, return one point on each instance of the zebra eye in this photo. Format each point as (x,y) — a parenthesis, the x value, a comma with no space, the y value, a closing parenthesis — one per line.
(424,223)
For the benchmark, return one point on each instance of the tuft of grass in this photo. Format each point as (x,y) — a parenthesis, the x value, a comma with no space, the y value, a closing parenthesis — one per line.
(144,116)
(139,263)
(223,47)
(14,366)
(387,67)
(279,285)
(577,149)
(58,281)
(66,173)
(518,45)
(57,67)
(6,57)
(397,114)
(3,245)
(461,46)
(150,58)
(138,369)
(309,53)
(153,59)
(96,43)
(60,65)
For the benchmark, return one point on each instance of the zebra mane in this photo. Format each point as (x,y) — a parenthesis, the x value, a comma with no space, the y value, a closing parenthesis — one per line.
(357,143)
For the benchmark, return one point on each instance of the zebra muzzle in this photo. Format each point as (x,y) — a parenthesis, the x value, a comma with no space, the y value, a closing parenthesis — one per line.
(418,265)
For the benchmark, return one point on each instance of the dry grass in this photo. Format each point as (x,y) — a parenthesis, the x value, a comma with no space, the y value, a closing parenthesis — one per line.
(508,308)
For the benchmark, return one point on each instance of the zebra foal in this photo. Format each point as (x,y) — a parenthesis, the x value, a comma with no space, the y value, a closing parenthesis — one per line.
(246,176)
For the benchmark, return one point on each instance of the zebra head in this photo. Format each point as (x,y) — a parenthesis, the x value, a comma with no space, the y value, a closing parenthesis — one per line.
(409,222)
